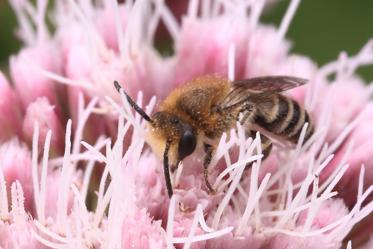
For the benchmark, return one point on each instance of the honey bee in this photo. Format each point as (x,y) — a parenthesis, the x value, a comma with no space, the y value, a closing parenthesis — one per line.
(195,115)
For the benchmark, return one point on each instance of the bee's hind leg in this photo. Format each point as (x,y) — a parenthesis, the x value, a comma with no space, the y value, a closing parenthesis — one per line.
(208,150)
(266,143)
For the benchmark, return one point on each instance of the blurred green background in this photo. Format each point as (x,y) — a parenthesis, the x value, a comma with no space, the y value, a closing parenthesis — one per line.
(320,29)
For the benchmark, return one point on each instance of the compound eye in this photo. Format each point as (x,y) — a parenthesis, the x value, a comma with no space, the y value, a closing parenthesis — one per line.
(187,144)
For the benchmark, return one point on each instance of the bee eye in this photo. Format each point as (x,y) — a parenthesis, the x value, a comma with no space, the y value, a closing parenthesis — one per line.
(175,120)
(187,144)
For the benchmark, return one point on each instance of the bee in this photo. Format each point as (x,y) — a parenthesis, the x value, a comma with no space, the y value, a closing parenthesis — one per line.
(195,115)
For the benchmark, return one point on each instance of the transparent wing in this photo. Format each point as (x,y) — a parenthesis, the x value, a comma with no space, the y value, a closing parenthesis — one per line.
(258,89)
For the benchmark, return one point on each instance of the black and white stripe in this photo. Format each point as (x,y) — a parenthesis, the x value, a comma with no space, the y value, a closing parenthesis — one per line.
(287,122)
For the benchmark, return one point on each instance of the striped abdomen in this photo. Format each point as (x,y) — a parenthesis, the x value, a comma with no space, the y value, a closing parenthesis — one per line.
(284,117)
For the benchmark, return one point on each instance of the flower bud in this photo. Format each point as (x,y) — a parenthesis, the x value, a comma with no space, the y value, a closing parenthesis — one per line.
(43,113)
(15,162)
(10,113)
(25,69)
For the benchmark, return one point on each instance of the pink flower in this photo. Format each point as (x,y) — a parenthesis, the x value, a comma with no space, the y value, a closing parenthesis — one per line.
(15,160)
(150,189)
(231,240)
(326,213)
(183,226)
(17,236)
(357,148)
(43,113)
(107,25)
(16,232)
(352,103)
(95,124)
(54,184)
(289,242)
(299,66)
(10,113)
(265,52)
(209,52)
(139,231)
(25,68)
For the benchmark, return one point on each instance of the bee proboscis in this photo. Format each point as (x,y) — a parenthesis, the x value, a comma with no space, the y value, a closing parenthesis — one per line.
(198,113)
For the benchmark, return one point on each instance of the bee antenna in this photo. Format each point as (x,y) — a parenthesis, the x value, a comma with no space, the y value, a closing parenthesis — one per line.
(133,103)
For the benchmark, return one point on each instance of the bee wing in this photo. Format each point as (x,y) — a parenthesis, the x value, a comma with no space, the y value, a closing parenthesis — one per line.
(257,89)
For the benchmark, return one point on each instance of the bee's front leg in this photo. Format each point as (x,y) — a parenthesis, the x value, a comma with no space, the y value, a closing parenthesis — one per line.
(209,151)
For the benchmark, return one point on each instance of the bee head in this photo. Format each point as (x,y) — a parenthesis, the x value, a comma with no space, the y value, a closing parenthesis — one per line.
(181,135)
(173,138)
(169,135)
(169,128)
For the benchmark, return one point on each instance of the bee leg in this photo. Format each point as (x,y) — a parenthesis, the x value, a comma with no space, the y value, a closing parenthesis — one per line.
(246,116)
(167,170)
(248,113)
(266,143)
(208,150)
